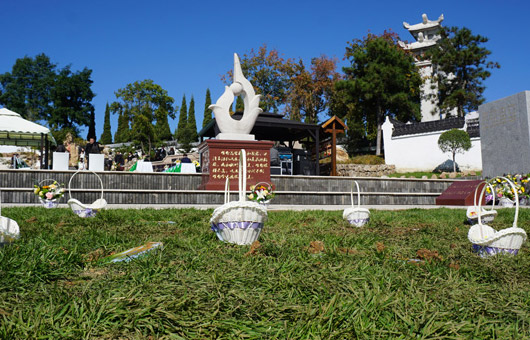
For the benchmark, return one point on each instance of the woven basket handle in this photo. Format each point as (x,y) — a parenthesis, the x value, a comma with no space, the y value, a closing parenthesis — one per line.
(358,194)
(242,175)
(78,171)
(227,190)
(516,202)
(46,180)
(492,192)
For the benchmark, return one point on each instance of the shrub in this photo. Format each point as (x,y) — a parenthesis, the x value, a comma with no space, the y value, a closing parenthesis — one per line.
(365,159)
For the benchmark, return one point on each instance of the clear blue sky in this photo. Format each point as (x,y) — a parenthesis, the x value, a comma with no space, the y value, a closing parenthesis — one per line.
(185,46)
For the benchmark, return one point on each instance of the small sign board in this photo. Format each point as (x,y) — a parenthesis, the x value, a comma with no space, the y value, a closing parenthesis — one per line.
(459,193)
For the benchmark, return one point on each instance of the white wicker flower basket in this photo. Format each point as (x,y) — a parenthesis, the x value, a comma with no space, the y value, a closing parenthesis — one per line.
(357,216)
(86,210)
(487,215)
(9,230)
(487,241)
(46,203)
(239,222)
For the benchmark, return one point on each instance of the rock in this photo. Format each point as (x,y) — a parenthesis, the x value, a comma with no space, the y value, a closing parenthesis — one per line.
(452,175)
(412,177)
(434,176)
(465,173)
(385,176)
(403,176)
(424,177)
(446,166)
(443,176)
(472,173)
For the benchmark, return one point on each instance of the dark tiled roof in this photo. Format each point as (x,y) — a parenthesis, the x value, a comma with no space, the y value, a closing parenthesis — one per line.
(402,129)
(426,127)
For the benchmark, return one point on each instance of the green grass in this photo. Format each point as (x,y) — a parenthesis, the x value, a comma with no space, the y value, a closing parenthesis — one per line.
(53,285)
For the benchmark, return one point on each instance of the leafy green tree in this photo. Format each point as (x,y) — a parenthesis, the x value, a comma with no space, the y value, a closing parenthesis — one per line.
(461,67)
(38,90)
(143,103)
(192,124)
(240,105)
(269,74)
(123,132)
(382,80)
(454,141)
(207,112)
(180,134)
(71,97)
(26,89)
(106,136)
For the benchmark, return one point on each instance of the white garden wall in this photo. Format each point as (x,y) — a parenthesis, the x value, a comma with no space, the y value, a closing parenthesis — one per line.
(420,152)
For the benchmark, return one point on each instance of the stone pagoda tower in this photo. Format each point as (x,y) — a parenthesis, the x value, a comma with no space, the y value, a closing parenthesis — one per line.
(427,34)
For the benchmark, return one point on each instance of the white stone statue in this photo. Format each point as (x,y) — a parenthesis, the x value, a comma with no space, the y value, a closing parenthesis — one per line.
(229,127)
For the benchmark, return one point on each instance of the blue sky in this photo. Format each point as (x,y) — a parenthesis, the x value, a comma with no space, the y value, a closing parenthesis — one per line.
(185,46)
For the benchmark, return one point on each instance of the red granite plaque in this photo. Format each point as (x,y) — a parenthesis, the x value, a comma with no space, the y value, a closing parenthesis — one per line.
(459,193)
(220,159)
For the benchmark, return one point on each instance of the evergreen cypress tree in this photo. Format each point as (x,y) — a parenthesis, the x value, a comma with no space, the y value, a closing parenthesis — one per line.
(207,112)
(240,105)
(92,126)
(180,134)
(122,133)
(192,124)
(106,136)
(162,130)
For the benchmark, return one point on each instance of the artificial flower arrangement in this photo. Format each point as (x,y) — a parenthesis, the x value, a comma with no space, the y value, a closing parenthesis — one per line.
(261,192)
(49,194)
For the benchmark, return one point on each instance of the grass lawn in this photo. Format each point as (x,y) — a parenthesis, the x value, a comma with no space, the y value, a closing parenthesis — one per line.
(53,284)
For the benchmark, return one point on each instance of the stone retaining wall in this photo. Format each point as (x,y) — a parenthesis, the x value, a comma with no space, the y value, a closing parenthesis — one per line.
(174,188)
(362,170)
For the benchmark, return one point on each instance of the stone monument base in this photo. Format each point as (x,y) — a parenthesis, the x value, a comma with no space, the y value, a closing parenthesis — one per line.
(235,136)
(220,159)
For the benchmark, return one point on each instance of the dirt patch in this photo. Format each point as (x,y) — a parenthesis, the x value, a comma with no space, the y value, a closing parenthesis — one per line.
(454,265)
(428,255)
(254,248)
(350,251)
(93,273)
(316,247)
(94,255)
(380,247)
(32,219)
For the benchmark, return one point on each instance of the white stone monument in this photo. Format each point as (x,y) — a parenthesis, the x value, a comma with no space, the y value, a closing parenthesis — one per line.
(232,129)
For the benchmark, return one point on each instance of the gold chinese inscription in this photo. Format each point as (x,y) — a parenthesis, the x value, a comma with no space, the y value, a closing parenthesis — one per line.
(226,164)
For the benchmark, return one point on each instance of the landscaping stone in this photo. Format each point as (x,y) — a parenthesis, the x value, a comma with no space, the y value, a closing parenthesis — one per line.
(363,170)
(452,175)
(446,166)
(434,176)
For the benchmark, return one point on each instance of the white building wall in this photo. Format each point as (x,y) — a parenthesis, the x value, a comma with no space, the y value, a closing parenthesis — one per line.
(420,152)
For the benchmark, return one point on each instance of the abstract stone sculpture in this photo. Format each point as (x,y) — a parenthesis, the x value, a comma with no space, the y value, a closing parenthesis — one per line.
(229,127)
